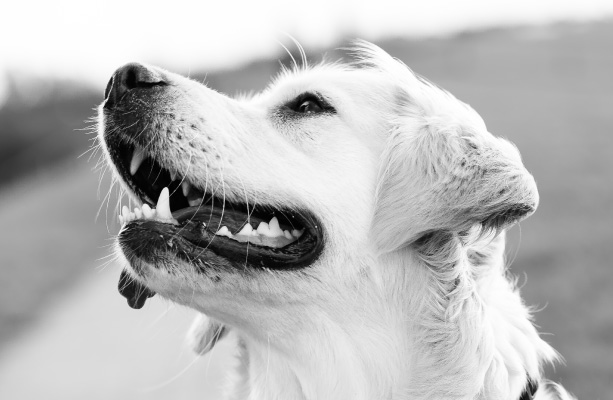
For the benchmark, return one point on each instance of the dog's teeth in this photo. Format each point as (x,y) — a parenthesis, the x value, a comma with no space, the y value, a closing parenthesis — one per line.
(263,229)
(297,233)
(173,176)
(246,231)
(125,212)
(120,219)
(138,212)
(275,229)
(148,212)
(137,159)
(271,229)
(163,206)
(223,231)
(263,236)
(185,187)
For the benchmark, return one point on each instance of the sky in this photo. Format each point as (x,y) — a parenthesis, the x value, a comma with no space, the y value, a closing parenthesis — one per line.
(88,40)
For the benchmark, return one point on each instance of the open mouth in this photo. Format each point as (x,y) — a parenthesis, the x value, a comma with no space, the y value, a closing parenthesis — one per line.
(199,227)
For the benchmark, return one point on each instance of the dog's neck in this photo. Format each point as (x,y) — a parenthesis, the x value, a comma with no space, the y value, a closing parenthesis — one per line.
(398,338)
(335,360)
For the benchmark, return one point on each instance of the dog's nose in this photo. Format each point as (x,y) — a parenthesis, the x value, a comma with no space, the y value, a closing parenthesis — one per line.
(128,77)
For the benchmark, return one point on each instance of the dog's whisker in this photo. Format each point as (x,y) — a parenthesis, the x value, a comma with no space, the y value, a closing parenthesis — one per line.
(106,200)
(303,57)
(289,53)
(92,150)
(106,263)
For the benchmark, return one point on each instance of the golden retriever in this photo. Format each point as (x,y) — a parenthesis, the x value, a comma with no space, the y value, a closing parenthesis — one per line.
(346,224)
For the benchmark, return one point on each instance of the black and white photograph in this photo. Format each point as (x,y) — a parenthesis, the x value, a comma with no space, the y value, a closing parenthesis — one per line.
(323,200)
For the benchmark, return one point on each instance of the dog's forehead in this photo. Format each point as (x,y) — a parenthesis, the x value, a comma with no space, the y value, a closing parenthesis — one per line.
(336,81)
(375,84)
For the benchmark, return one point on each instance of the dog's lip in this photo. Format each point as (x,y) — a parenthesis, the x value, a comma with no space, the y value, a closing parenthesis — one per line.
(135,293)
(191,241)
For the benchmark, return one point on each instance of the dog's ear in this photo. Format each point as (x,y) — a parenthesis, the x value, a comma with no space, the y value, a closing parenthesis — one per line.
(204,334)
(444,172)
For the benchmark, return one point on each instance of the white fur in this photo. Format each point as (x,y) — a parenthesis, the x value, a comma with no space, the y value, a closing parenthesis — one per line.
(410,298)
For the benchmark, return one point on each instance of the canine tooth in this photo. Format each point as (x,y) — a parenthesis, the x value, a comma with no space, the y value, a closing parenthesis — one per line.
(138,212)
(125,212)
(275,229)
(137,159)
(223,231)
(246,231)
(173,176)
(194,203)
(185,186)
(163,206)
(287,235)
(148,212)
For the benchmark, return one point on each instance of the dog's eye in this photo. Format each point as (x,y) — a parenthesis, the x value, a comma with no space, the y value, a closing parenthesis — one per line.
(309,106)
(309,103)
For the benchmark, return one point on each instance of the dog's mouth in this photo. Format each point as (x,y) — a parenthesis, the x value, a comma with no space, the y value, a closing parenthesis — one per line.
(180,218)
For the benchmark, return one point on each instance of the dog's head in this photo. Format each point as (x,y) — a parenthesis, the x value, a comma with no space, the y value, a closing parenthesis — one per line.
(283,209)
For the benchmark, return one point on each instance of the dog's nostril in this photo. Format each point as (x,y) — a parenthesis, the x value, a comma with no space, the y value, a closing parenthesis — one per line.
(129,77)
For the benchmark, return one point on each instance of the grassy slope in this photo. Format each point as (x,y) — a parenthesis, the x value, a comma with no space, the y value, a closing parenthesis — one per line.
(550,95)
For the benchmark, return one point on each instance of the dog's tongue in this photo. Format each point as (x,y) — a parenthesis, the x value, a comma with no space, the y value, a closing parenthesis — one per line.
(133,291)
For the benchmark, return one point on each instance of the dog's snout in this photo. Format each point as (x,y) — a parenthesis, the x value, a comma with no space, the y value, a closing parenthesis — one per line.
(128,77)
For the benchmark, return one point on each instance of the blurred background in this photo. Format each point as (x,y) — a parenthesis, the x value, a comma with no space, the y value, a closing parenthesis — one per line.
(539,72)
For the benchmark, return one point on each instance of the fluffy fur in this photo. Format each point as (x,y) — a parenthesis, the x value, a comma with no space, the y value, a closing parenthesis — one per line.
(411,298)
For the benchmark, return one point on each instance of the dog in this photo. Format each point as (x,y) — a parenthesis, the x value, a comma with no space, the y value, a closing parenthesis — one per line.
(347,224)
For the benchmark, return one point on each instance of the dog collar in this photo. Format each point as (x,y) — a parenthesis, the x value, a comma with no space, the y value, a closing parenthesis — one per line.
(529,390)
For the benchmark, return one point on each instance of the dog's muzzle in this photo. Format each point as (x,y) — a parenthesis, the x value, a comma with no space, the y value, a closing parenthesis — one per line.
(177,220)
